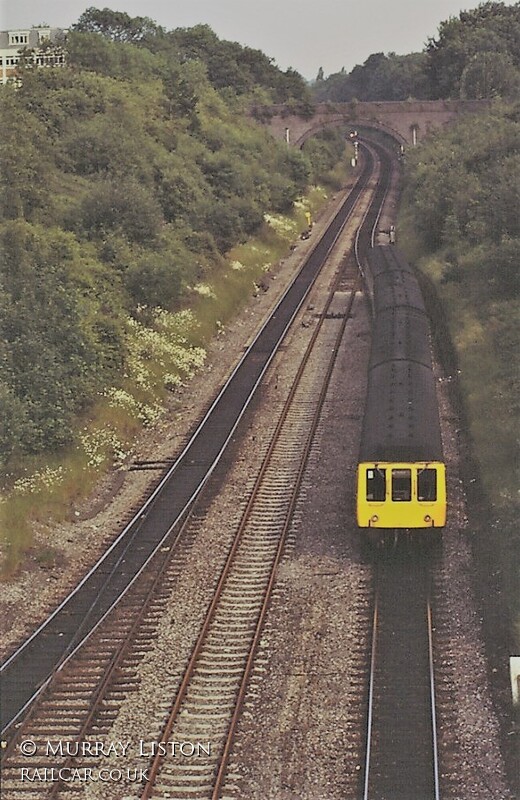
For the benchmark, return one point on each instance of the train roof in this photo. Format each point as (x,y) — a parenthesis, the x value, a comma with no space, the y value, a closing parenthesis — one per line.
(397,288)
(400,333)
(401,421)
(387,258)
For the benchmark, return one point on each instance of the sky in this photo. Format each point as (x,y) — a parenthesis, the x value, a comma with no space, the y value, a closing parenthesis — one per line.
(300,34)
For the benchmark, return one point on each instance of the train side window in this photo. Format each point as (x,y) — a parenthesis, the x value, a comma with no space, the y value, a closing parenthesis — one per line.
(376,484)
(401,485)
(427,484)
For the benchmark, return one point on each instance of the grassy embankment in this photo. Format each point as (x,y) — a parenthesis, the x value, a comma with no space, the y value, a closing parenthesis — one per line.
(164,353)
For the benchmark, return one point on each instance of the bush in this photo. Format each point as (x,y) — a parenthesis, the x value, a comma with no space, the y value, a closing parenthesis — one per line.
(154,281)
(122,206)
(59,345)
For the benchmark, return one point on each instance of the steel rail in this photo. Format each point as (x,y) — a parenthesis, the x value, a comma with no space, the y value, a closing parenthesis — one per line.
(133,526)
(190,669)
(377,654)
(221,773)
(436,765)
(371,683)
(113,662)
(224,761)
(377,615)
(118,656)
(224,758)
(149,501)
(385,161)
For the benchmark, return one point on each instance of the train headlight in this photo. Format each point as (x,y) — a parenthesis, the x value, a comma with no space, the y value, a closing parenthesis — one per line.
(427,518)
(375,518)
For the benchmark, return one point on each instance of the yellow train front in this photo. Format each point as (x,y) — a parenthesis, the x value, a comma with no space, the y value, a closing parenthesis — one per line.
(401,480)
(401,495)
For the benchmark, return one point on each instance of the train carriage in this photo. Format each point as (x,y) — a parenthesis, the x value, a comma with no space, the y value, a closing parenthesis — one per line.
(401,479)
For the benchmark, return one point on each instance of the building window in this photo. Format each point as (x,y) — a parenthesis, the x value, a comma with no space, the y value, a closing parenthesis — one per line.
(18,38)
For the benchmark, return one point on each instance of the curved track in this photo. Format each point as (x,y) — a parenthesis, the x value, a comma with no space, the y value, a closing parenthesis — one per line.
(81,710)
(215,681)
(29,669)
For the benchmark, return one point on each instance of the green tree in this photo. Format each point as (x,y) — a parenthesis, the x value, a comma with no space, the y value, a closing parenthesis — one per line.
(126,174)
(26,159)
(489,74)
(381,77)
(118,205)
(53,359)
(116,25)
(490,28)
(155,279)
(123,60)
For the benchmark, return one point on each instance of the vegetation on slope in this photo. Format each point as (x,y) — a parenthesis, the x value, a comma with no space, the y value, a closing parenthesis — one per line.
(129,177)
(126,178)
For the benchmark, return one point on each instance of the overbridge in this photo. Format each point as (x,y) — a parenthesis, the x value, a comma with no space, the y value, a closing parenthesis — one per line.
(408,121)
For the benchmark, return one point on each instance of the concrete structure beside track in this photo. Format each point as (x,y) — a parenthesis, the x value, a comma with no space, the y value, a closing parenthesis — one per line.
(408,121)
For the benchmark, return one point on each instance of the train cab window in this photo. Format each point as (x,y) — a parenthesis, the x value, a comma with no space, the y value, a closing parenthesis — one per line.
(376,484)
(401,485)
(427,484)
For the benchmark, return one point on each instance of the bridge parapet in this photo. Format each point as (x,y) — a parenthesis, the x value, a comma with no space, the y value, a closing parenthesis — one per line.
(407,121)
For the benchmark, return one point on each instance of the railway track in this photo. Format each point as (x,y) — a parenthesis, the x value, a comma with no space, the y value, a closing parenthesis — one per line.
(401,753)
(209,701)
(82,700)
(26,672)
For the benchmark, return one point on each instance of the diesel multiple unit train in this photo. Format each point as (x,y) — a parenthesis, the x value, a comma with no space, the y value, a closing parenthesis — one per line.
(401,479)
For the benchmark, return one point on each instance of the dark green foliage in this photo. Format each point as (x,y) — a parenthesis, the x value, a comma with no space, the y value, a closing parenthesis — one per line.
(474,56)
(181,98)
(299,168)
(465,185)
(231,65)
(381,77)
(58,342)
(155,280)
(26,160)
(118,205)
(124,178)
(324,151)
(124,61)
(462,194)
(228,65)
(16,428)
(180,188)
(223,223)
(117,25)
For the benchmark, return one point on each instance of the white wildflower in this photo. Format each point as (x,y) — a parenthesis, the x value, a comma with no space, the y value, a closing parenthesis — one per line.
(39,481)
(280,224)
(204,290)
